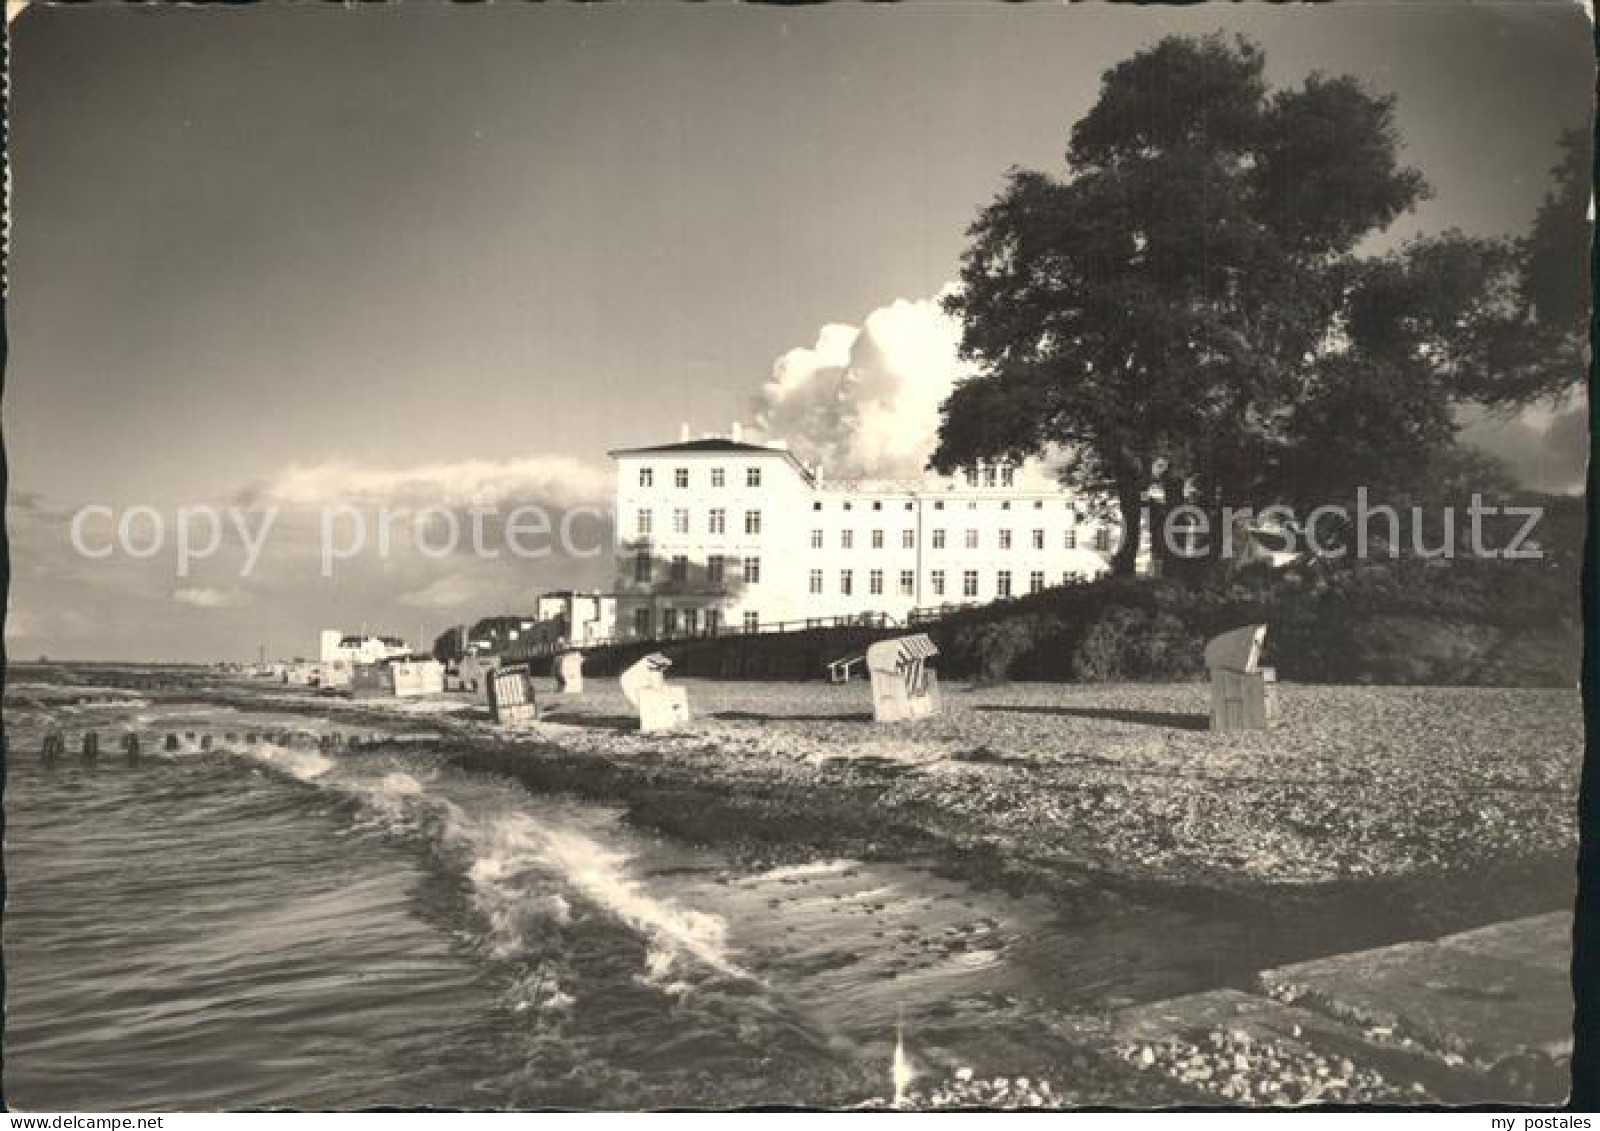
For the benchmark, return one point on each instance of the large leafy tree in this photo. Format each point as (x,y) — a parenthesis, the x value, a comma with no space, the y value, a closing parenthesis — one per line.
(1185,307)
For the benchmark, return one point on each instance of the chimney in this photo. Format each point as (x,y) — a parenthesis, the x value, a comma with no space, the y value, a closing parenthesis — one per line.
(737,434)
(683,434)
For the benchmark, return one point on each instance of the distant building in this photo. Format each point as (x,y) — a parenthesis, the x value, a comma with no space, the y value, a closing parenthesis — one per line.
(578,618)
(360,649)
(717,535)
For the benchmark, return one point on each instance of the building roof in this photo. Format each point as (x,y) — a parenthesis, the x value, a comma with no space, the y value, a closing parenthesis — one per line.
(708,444)
(714,444)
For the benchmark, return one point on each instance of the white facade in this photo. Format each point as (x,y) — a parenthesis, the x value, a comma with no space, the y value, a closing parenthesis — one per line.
(584,616)
(720,535)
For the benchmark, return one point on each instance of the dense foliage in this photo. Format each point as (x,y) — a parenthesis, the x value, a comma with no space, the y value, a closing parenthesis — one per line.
(1188,307)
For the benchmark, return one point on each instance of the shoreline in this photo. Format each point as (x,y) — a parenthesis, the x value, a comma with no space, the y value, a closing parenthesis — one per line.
(1433,810)
(1098,800)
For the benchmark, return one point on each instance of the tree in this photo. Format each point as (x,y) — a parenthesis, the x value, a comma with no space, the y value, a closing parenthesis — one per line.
(1184,308)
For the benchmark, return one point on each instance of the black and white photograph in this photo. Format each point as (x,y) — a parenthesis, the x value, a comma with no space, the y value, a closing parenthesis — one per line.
(938,556)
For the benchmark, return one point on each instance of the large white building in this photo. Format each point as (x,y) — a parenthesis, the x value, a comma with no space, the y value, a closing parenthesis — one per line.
(718,534)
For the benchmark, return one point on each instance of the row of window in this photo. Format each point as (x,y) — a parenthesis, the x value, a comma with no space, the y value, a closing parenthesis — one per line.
(937,582)
(678,569)
(718,477)
(970,539)
(690,622)
(938,504)
(717,568)
(716,521)
(991,476)
(1007,475)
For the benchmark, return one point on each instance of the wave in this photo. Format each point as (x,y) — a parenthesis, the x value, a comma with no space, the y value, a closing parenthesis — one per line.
(509,856)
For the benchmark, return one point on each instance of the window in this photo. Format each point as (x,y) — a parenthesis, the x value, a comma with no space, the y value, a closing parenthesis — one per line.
(680,568)
(752,477)
(936,582)
(969,583)
(817,506)
(641,567)
(714,568)
(1036,581)
(877,504)
(972,539)
(877,539)
(1008,476)
(938,505)
(717,521)
(1005,539)
(669,622)
(875,582)
(752,522)
(641,622)
(752,621)
(1102,540)
(846,582)
(647,477)
(908,583)
(680,477)
(908,539)
(847,539)
(1038,539)
(1070,542)
(938,539)
(642,523)
(713,621)
(972,477)
(752,570)
(988,476)
(816,539)
(1005,506)
(691,621)
(815,584)
(719,478)
(1002,583)
(680,520)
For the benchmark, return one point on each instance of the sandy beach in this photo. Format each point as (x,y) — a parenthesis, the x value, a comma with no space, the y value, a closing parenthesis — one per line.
(1355,783)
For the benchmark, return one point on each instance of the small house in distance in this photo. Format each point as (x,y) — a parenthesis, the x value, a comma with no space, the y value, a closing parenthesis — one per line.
(578,618)
(360,648)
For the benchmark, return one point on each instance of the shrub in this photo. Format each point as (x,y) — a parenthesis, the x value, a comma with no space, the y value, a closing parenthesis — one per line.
(998,646)
(1127,643)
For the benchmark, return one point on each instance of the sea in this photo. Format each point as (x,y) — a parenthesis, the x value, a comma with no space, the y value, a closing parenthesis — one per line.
(237,924)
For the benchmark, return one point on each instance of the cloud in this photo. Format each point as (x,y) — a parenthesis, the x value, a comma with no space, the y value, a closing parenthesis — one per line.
(448,592)
(204,597)
(557,481)
(864,401)
(1544,447)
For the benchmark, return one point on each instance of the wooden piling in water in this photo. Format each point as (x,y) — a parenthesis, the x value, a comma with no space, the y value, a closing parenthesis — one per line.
(130,746)
(90,747)
(54,746)
(171,743)
(205,742)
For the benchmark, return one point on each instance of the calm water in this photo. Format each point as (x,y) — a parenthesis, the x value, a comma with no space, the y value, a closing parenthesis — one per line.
(281,926)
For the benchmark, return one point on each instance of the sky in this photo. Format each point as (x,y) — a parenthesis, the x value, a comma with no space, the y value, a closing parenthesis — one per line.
(285,255)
